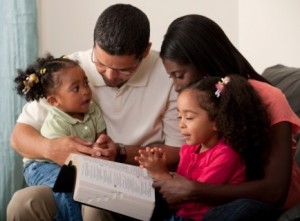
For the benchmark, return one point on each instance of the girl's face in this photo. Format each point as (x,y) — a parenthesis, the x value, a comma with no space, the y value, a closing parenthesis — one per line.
(73,95)
(181,74)
(195,125)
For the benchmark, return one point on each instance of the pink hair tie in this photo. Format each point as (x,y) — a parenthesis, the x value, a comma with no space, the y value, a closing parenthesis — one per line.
(220,85)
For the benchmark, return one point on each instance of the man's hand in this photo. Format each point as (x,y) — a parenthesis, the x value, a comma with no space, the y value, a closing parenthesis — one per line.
(60,148)
(175,190)
(105,148)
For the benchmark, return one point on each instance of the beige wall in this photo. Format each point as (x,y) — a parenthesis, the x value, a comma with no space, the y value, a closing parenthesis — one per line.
(269,32)
(266,31)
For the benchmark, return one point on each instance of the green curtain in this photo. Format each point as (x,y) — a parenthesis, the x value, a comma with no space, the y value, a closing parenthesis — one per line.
(19,47)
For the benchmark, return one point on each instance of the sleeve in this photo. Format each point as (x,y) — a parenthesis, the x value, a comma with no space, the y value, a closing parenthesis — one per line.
(277,105)
(225,166)
(54,128)
(34,113)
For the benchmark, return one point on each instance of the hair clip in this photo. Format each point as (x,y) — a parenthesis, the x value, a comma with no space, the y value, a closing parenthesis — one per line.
(29,82)
(220,85)
(43,71)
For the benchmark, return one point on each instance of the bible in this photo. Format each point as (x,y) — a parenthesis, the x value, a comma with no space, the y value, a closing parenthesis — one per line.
(113,186)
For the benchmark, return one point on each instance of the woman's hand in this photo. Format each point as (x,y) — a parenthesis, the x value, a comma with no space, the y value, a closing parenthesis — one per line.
(175,190)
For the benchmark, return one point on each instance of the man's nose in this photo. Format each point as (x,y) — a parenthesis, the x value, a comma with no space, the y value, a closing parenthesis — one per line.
(111,74)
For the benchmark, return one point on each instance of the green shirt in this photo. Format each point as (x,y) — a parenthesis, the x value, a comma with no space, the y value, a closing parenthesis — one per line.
(59,124)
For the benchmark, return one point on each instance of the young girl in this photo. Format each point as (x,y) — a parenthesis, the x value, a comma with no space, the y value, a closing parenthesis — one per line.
(64,85)
(226,129)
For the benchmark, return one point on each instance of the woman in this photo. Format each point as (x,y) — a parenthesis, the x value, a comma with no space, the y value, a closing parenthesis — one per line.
(195,47)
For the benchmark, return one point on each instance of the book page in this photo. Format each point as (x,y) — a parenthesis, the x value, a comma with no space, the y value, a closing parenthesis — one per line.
(117,177)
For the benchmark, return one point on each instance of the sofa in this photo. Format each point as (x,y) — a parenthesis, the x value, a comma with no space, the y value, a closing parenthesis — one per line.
(288,80)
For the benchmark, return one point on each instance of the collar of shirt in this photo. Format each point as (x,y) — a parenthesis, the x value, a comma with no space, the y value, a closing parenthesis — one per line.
(68,118)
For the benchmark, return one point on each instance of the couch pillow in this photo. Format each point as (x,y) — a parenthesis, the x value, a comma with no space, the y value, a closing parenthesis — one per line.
(288,80)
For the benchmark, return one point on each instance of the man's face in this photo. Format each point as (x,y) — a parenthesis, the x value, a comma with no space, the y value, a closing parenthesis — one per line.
(115,69)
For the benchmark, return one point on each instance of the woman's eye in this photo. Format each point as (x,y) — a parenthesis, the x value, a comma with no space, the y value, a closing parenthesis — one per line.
(177,75)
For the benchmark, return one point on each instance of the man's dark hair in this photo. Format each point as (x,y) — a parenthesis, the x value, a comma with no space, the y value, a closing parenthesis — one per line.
(122,29)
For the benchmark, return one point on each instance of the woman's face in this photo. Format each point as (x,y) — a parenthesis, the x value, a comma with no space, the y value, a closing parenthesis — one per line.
(181,74)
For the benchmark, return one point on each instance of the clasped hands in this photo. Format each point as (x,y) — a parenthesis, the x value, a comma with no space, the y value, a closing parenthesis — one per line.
(59,149)
(174,188)
(104,148)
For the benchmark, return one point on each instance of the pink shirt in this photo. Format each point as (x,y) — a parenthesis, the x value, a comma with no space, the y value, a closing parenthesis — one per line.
(280,111)
(218,165)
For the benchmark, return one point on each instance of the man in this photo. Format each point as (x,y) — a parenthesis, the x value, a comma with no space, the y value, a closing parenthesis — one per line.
(136,98)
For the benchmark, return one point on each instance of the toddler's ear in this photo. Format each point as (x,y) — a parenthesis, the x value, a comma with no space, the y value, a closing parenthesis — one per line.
(52,100)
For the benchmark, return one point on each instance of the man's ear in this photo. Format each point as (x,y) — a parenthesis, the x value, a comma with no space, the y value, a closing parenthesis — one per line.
(146,51)
(52,100)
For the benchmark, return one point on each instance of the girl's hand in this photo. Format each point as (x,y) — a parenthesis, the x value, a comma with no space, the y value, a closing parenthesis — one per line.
(155,161)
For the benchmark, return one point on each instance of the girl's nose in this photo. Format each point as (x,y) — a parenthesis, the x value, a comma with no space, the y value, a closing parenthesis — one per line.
(181,123)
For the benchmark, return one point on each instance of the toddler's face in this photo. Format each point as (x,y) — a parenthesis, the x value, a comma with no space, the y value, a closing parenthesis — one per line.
(73,94)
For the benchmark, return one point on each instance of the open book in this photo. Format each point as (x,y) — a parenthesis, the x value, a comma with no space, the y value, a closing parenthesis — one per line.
(109,185)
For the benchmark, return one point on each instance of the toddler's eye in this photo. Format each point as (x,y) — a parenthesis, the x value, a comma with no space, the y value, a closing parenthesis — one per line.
(75,89)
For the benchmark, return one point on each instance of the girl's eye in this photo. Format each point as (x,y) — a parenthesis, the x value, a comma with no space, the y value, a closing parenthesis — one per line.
(189,117)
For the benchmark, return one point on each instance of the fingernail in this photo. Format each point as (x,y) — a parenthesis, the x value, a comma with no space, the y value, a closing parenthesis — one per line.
(98,154)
